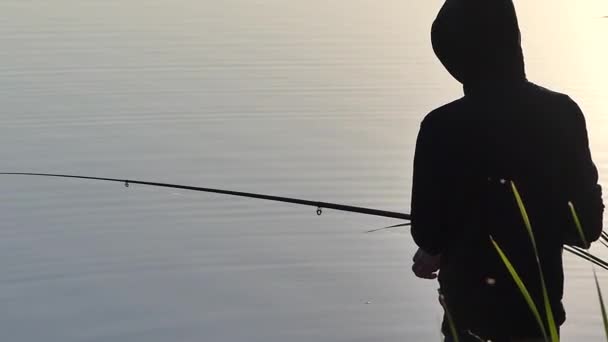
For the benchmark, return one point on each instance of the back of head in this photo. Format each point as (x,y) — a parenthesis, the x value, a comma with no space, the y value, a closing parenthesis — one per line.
(479,40)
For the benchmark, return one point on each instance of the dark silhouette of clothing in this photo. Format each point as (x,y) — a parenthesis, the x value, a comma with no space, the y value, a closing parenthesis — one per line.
(504,129)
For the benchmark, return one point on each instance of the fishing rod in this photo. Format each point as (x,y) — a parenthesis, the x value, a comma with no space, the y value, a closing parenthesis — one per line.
(319,205)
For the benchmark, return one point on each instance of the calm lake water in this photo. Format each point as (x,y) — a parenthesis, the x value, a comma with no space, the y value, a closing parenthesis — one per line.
(312,99)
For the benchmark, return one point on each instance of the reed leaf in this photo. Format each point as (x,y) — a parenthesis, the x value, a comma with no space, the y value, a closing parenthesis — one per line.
(602,306)
(604,235)
(583,254)
(595,259)
(390,227)
(548,311)
(451,323)
(522,288)
(578,225)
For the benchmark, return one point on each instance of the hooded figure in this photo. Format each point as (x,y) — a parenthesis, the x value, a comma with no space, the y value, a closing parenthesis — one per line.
(479,40)
(505,134)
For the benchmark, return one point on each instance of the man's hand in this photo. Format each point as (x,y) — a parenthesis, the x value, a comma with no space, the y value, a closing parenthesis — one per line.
(425,265)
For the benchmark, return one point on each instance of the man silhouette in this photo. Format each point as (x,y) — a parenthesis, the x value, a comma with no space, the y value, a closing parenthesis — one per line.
(505,130)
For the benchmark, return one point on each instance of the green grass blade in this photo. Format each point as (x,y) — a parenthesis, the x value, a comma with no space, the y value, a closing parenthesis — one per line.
(578,225)
(549,312)
(448,315)
(524,215)
(599,293)
(522,288)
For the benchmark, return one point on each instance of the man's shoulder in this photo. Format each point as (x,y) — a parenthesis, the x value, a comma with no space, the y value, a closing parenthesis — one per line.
(542,97)
(445,112)
(549,94)
(557,107)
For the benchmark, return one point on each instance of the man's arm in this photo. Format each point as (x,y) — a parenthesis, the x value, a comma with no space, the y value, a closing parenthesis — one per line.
(426,191)
(584,192)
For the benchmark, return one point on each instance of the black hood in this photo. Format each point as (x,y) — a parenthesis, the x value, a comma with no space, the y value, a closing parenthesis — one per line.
(479,41)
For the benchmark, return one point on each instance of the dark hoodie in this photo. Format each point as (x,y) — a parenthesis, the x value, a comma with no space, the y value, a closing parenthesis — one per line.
(504,131)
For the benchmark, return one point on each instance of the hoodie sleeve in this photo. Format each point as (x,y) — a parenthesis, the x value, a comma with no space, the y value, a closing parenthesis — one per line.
(426,191)
(584,192)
